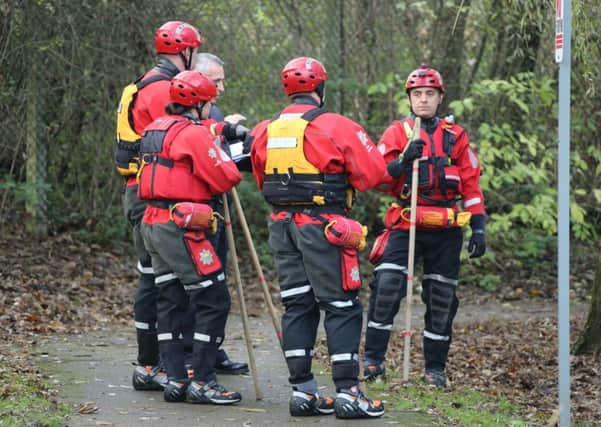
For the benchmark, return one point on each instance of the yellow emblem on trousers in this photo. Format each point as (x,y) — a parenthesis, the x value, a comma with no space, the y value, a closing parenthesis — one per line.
(206,257)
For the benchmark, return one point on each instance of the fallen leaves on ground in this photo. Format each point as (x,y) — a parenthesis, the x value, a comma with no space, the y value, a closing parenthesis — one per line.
(516,360)
(63,285)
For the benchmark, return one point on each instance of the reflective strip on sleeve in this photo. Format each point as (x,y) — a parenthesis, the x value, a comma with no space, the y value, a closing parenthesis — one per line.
(435,337)
(144,270)
(165,336)
(295,291)
(295,353)
(164,278)
(142,325)
(390,266)
(441,279)
(202,337)
(380,326)
(471,202)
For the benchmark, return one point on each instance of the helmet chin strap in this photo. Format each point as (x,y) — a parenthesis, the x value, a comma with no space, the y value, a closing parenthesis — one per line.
(199,107)
(187,61)
(321,92)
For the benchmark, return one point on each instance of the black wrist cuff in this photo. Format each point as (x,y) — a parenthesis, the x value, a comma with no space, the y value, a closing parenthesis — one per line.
(478,222)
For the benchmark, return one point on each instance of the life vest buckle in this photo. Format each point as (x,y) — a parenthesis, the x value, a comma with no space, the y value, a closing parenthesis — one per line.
(285,178)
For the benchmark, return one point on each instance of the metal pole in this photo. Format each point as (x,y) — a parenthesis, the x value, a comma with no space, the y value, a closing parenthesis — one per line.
(563,46)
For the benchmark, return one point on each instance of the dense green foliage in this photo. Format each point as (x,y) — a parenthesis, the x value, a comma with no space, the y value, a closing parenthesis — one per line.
(63,65)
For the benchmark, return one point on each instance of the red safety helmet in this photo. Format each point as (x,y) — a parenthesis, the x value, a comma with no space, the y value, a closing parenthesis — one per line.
(303,74)
(424,76)
(174,36)
(190,87)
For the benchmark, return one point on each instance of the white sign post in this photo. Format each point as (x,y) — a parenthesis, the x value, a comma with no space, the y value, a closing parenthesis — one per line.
(563,45)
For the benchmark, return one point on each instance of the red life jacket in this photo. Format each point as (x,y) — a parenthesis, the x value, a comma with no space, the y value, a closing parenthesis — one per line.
(161,177)
(439,181)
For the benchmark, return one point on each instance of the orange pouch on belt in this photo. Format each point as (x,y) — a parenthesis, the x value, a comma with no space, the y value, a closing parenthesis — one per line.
(346,232)
(379,246)
(202,253)
(192,216)
(349,267)
(431,217)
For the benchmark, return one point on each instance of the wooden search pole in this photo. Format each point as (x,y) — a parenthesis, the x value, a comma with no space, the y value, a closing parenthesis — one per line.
(257,263)
(232,246)
(411,259)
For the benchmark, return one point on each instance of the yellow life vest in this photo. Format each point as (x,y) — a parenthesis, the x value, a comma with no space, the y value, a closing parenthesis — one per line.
(127,143)
(291,179)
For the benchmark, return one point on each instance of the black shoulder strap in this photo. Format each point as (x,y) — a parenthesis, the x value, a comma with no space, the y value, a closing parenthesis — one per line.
(313,114)
(448,142)
(141,83)
(308,116)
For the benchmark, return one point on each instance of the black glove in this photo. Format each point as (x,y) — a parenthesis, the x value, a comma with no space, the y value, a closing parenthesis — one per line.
(247,143)
(414,151)
(395,168)
(477,244)
(233,132)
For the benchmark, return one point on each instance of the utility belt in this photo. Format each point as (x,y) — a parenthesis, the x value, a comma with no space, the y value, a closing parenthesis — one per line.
(190,215)
(312,210)
(426,217)
(307,189)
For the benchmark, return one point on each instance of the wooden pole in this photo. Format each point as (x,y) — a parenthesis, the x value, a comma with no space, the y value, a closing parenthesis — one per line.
(257,264)
(243,312)
(411,260)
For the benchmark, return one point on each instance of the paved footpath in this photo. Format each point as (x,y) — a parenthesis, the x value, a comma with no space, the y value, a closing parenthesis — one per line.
(94,371)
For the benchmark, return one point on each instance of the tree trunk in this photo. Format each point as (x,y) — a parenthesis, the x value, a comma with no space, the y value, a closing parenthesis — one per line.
(590,340)
(448,51)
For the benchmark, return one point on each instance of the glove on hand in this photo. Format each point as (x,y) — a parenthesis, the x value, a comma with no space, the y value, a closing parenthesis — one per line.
(414,151)
(477,244)
(395,168)
(233,132)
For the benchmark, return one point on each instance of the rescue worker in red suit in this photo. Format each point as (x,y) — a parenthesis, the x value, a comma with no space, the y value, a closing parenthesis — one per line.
(180,162)
(142,102)
(307,163)
(449,171)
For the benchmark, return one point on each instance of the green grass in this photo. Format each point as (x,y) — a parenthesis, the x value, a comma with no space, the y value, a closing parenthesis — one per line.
(457,405)
(26,401)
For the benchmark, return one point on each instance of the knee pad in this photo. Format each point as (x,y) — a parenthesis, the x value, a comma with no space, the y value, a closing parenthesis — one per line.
(390,288)
(441,305)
